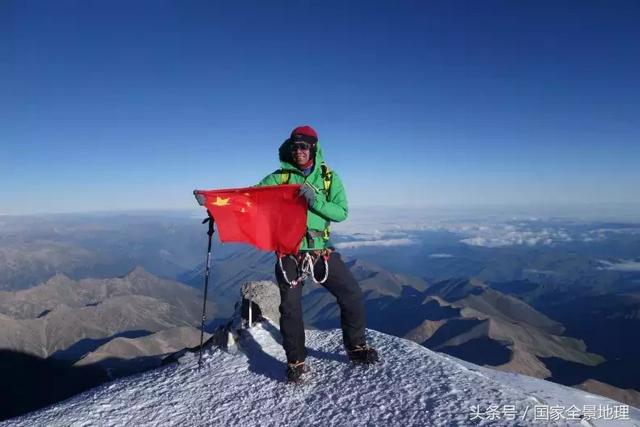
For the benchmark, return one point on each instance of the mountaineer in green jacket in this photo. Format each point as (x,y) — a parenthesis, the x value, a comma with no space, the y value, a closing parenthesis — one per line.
(302,162)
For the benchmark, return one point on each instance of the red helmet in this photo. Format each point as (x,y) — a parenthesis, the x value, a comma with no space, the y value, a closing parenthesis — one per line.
(304,133)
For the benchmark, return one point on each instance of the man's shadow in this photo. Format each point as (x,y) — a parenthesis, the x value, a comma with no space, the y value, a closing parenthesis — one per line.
(318,354)
(260,362)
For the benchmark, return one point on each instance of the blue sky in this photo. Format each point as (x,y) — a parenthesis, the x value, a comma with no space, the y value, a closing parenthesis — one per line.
(125,105)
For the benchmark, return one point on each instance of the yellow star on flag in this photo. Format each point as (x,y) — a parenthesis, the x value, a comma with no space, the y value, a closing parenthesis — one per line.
(221,202)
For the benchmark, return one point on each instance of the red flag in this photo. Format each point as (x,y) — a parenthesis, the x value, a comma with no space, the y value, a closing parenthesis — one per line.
(272,218)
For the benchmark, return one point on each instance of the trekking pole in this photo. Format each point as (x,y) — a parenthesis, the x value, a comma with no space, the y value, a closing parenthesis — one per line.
(206,283)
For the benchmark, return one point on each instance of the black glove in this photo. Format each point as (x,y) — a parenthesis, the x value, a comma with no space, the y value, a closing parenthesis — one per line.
(308,193)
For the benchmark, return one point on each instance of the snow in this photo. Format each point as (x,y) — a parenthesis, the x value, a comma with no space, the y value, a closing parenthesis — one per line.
(245,386)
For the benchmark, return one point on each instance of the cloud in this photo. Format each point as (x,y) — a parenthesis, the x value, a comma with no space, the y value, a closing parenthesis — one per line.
(509,235)
(541,272)
(382,242)
(621,230)
(600,234)
(440,256)
(472,234)
(491,231)
(621,265)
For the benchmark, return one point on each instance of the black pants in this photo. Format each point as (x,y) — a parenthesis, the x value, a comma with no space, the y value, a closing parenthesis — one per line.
(341,284)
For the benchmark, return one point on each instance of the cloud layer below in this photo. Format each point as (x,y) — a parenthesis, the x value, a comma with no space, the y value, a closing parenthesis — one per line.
(623,265)
(390,228)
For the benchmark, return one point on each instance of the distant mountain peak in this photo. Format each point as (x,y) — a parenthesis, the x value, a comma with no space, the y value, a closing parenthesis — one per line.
(476,281)
(359,263)
(139,272)
(58,279)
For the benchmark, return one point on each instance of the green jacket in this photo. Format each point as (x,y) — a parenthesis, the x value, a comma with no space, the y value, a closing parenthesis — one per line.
(327,208)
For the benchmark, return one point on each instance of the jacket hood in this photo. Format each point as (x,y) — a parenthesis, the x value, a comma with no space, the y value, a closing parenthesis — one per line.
(286,159)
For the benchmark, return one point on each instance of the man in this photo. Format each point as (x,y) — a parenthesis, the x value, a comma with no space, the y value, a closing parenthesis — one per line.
(302,162)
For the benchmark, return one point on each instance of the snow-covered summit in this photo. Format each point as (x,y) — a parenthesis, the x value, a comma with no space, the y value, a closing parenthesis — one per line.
(411,386)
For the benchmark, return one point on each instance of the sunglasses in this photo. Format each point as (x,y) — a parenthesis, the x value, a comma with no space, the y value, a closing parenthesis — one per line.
(300,146)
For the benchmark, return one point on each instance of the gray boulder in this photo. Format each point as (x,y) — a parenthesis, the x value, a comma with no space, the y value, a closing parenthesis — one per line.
(264,297)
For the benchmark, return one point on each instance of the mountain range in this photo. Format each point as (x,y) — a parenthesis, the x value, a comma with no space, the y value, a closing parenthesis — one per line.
(64,318)
(77,302)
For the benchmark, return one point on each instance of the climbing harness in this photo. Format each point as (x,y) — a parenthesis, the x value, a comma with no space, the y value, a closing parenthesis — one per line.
(305,265)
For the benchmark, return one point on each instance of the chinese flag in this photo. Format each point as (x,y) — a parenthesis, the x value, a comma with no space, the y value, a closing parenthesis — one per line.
(271,218)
